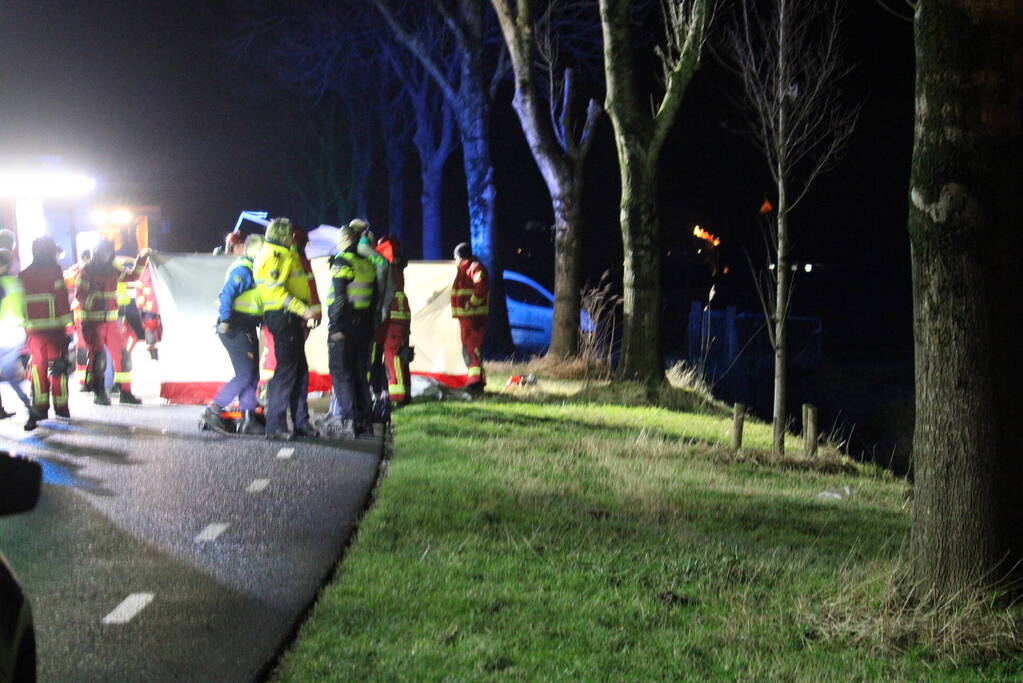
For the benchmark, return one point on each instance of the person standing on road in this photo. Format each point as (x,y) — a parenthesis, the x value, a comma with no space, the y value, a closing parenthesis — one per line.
(469,294)
(238,320)
(351,320)
(96,294)
(286,314)
(393,333)
(12,331)
(71,282)
(48,323)
(304,283)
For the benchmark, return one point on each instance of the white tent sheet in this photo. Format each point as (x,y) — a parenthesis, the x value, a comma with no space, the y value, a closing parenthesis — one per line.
(193,363)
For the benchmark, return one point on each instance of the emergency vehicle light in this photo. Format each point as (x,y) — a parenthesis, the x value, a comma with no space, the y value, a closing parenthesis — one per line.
(44,184)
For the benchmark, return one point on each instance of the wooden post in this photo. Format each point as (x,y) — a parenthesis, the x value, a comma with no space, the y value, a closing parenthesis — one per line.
(738,416)
(810,429)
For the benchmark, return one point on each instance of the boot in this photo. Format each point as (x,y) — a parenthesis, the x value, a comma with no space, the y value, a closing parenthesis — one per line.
(34,415)
(307,431)
(211,419)
(128,398)
(250,424)
(61,413)
(101,398)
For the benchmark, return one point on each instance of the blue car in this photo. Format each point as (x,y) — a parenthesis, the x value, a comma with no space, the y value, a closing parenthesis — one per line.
(19,490)
(530,313)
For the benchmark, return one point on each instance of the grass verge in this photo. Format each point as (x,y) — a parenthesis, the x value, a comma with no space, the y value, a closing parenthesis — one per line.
(537,538)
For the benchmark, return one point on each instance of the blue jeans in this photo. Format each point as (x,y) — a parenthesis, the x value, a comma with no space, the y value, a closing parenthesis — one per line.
(242,346)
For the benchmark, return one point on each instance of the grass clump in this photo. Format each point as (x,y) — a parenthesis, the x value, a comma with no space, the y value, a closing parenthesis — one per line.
(592,541)
(883,609)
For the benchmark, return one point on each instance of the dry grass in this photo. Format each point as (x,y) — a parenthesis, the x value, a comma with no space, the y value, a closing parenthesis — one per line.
(881,608)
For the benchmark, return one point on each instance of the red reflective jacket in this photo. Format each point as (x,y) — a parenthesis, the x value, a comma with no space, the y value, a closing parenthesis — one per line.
(470,290)
(46,299)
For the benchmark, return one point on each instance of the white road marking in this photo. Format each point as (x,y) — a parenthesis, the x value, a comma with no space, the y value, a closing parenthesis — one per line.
(211,532)
(258,485)
(129,607)
(285,453)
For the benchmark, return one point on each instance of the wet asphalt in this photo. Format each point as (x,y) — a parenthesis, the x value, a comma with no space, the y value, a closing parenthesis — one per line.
(161,553)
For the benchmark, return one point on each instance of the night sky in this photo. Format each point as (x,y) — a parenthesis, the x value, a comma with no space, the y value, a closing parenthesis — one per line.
(141,95)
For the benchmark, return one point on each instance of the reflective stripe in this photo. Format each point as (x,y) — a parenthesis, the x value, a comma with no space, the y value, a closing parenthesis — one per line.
(475,371)
(121,377)
(462,292)
(469,311)
(38,397)
(399,378)
(361,276)
(51,321)
(51,324)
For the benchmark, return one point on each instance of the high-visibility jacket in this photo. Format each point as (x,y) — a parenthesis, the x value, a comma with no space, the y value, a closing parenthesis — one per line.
(470,290)
(353,287)
(46,298)
(277,289)
(12,306)
(96,292)
(399,309)
(303,281)
(125,289)
(239,295)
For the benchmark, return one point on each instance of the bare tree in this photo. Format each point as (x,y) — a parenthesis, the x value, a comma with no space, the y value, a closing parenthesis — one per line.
(639,137)
(396,124)
(302,52)
(964,228)
(433,137)
(789,63)
(470,93)
(559,146)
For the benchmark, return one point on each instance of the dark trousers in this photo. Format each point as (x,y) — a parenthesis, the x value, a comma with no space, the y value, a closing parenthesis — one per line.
(242,346)
(289,387)
(348,360)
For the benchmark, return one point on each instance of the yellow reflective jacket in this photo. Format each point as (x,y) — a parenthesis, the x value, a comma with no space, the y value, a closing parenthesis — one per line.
(273,269)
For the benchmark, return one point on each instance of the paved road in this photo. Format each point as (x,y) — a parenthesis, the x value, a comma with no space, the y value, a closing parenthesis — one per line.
(159,553)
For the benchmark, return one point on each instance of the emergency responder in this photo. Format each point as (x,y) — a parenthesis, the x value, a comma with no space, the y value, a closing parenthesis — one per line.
(303,282)
(366,249)
(351,318)
(239,316)
(469,295)
(129,319)
(71,282)
(149,309)
(96,293)
(12,331)
(287,310)
(48,322)
(393,333)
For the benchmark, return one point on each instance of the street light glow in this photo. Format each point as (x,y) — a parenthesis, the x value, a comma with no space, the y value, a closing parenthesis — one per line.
(99,217)
(44,184)
(121,216)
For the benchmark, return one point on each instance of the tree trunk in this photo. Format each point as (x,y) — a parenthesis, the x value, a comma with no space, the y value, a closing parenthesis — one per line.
(567,227)
(966,249)
(779,416)
(396,192)
(433,184)
(641,282)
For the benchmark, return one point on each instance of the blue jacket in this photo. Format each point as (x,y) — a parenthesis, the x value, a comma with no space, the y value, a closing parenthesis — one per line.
(239,279)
